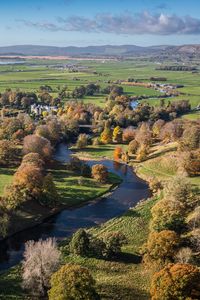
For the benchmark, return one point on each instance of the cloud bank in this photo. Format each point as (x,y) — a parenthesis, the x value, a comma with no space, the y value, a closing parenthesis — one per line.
(143,23)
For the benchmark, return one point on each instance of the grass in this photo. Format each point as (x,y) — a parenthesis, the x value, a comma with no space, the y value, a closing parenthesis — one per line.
(121,279)
(75,189)
(6,175)
(100,151)
(163,165)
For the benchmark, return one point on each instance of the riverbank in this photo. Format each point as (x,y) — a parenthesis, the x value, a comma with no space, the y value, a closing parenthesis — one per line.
(121,279)
(73,190)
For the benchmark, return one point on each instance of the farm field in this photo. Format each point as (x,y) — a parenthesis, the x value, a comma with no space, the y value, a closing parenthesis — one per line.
(32,74)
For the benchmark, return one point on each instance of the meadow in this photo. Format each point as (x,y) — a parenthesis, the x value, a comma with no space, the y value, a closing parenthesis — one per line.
(30,75)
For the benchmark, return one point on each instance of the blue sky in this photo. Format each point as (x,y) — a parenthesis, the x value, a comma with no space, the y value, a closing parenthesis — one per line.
(90,22)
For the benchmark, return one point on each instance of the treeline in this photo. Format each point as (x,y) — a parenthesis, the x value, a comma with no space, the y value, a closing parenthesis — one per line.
(177,68)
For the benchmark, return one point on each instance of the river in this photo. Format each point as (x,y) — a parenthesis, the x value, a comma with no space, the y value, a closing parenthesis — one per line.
(128,194)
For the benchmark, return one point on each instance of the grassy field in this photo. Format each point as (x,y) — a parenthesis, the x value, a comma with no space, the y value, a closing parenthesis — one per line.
(122,279)
(75,189)
(34,73)
(6,175)
(100,151)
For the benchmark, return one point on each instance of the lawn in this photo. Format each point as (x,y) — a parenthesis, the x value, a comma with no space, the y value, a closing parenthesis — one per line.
(100,151)
(6,175)
(75,189)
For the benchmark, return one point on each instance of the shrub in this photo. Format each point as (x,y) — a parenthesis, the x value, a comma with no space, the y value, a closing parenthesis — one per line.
(72,282)
(79,244)
(100,173)
(41,260)
(176,281)
(113,243)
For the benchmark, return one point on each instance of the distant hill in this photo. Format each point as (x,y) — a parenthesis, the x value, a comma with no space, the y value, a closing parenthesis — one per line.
(106,50)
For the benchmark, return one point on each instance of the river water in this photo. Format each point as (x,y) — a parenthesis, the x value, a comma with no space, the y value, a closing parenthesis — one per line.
(128,194)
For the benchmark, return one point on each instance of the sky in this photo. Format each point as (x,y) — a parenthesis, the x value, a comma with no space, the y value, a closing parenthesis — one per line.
(100,22)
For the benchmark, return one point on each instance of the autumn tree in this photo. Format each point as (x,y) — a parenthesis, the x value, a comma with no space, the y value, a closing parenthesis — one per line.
(7,151)
(133,147)
(117,134)
(161,246)
(100,173)
(82,141)
(176,281)
(167,214)
(142,152)
(72,282)
(41,260)
(117,153)
(128,134)
(37,144)
(106,135)
(191,138)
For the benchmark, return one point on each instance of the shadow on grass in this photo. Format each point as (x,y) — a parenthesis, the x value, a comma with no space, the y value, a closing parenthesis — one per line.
(120,292)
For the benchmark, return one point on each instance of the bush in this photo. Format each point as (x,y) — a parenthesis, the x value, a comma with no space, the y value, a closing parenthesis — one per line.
(176,281)
(72,282)
(79,244)
(100,173)
(113,243)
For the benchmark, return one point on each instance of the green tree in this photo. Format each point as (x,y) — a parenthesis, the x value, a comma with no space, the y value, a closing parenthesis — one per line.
(80,243)
(72,282)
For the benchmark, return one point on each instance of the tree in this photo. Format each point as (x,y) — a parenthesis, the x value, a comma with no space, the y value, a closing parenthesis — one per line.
(144,135)
(184,255)
(79,244)
(49,195)
(191,138)
(33,159)
(133,147)
(41,260)
(100,173)
(117,153)
(167,214)
(113,243)
(106,135)
(82,141)
(117,134)
(142,152)
(29,177)
(72,282)
(7,151)
(37,144)
(128,134)
(176,281)
(161,246)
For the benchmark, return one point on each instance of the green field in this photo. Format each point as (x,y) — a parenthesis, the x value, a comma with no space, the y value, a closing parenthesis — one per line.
(6,175)
(34,73)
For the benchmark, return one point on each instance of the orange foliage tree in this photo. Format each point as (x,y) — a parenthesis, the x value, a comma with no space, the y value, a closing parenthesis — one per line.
(176,281)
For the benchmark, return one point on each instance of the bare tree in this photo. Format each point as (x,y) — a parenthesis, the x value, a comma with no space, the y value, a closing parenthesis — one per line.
(41,260)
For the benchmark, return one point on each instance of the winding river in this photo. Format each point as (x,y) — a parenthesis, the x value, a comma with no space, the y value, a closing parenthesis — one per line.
(128,194)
